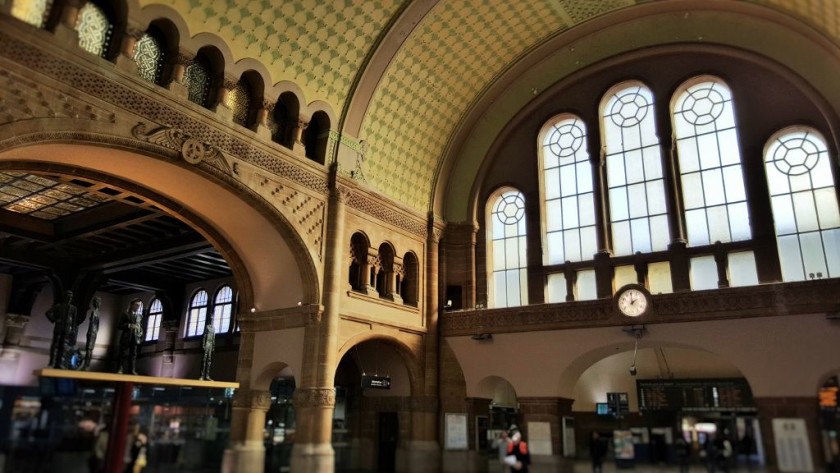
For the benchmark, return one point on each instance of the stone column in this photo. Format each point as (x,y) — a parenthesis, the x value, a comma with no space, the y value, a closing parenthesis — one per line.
(261,122)
(298,146)
(806,408)
(177,81)
(422,448)
(247,450)
(315,398)
(65,31)
(368,272)
(391,292)
(546,411)
(125,60)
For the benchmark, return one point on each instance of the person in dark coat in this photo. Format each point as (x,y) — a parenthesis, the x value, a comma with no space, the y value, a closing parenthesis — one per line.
(597,451)
(519,449)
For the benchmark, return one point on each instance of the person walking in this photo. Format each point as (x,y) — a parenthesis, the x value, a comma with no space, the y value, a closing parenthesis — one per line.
(519,449)
(597,451)
(683,453)
(504,440)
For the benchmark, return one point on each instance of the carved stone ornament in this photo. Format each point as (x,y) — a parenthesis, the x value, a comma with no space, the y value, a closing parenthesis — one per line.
(314,397)
(252,399)
(191,150)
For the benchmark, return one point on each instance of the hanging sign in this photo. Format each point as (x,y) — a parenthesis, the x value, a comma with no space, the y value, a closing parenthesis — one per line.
(376,382)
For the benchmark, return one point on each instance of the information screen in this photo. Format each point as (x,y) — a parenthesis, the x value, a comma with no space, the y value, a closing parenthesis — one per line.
(701,395)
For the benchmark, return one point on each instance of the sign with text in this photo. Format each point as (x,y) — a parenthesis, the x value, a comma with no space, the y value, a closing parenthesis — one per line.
(376,382)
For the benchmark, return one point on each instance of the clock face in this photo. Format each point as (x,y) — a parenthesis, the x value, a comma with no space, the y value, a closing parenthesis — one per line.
(632,302)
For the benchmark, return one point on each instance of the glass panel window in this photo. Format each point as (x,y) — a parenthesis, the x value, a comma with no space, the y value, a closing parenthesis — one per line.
(94,30)
(659,278)
(197,80)
(33,12)
(508,249)
(624,275)
(742,270)
(585,287)
(569,204)
(634,171)
(710,163)
(703,273)
(197,316)
(556,287)
(148,54)
(222,309)
(804,202)
(154,320)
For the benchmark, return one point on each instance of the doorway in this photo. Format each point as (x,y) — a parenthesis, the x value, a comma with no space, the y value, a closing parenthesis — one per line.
(389,430)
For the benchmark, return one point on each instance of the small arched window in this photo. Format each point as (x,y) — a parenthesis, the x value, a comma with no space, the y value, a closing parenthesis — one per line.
(95,30)
(197,315)
(284,119)
(507,255)
(222,308)
(359,245)
(409,280)
(316,136)
(154,320)
(149,56)
(34,12)
(804,202)
(713,191)
(638,212)
(198,81)
(239,101)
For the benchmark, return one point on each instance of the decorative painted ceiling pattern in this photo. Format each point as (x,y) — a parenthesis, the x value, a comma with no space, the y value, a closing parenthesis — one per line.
(319,45)
(458,49)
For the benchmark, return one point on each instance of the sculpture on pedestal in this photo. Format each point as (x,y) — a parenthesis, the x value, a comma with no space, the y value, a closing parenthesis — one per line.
(93,329)
(131,336)
(208,342)
(63,316)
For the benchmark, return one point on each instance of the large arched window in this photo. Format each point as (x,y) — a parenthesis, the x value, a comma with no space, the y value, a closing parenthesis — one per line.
(638,212)
(154,320)
(197,315)
(507,254)
(569,205)
(713,191)
(95,30)
(804,202)
(222,309)
(34,12)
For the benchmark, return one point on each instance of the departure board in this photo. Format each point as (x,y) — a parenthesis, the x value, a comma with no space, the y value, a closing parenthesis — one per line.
(699,395)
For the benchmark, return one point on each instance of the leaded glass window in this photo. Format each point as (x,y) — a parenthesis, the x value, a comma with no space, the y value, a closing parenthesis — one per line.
(148,54)
(713,190)
(508,249)
(154,320)
(197,316)
(569,222)
(239,101)
(222,309)
(94,30)
(638,212)
(197,80)
(804,202)
(33,12)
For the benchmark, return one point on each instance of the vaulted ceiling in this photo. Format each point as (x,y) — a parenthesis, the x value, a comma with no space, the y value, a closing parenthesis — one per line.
(407,75)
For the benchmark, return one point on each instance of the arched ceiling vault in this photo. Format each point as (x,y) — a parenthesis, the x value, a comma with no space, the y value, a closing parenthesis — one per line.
(414,78)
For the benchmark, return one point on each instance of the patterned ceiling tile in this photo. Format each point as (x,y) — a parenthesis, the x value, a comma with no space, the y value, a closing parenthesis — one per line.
(459,48)
(824,14)
(319,45)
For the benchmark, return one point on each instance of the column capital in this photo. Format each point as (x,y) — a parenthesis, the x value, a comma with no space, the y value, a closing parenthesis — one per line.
(314,397)
(230,83)
(252,399)
(269,105)
(134,32)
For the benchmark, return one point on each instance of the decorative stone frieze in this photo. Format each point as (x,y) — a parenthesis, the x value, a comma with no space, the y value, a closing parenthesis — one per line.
(305,211)
(191,150)
(314,397)
(252,399)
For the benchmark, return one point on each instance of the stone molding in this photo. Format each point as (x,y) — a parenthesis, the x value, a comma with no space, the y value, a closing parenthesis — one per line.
(280,319)
(119,92)
(252,399)
(793,298)
(314,397)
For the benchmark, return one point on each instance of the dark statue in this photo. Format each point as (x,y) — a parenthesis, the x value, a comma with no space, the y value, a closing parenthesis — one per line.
(131,336)
(63,316)
(93,329)
(208,342)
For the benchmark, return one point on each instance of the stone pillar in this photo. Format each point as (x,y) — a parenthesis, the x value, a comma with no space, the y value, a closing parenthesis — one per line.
(125,60)
(391,292)
(261,122)
(298,146)
(221,107)
(806,408)
(177,81)
(422,447)
(315,398)
(368,272)
(247,450)
(65,31)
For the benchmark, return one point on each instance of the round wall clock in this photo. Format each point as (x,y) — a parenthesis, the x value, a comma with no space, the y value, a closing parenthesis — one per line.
(633,300)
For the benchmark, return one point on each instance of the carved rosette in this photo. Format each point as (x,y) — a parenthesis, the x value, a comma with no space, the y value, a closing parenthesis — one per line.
(314,397)
(191,150)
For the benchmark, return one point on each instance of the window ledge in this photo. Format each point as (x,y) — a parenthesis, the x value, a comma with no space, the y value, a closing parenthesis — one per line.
(384,302)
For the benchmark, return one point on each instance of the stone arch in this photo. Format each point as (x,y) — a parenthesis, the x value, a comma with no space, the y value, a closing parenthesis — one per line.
(408,355)
(257,71)
(262,381)
(499,390)
(145,16)
(178,190)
